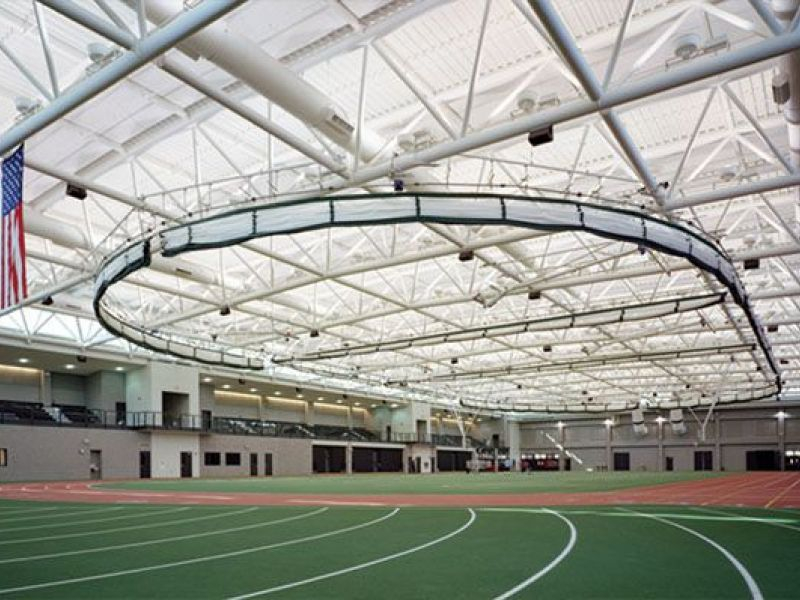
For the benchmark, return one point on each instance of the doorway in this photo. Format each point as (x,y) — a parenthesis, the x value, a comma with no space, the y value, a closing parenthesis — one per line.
(703,460)
(622,461)
(186,464)
(669,463)
(267,465)
(763,460)
(144,464)
(95,464)
(253,464)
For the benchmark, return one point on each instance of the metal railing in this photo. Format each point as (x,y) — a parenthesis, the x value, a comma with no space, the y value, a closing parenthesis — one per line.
(76,416)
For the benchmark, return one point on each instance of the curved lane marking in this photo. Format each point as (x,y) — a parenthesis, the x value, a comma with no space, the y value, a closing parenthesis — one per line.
(138,515)
(752,586)
(72,514)
(167,540)
(64,536)
(199,559)
(361,566)
(573,537)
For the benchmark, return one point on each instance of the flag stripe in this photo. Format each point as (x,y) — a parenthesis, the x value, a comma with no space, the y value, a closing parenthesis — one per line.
(13,277)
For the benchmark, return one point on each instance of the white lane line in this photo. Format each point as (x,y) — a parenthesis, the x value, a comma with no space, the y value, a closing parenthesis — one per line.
(361,566)
(199,559)
(755,592)
(335,502)
(635,515)
(138,515)
(168,539)
(573,537)
(26,511)
(71,514)
(63,536)
(784,523)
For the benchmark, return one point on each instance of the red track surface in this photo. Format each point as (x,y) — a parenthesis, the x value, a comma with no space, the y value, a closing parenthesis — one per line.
(744,489)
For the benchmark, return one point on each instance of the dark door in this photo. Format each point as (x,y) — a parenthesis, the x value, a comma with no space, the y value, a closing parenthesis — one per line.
(703,460)
(669,463)
(567,464)
(96,464)
(388,433)
(144,464)
(186,464)
(622,461)
(120,413)
(763,460)
(205,418)
(268,464)
(253,464)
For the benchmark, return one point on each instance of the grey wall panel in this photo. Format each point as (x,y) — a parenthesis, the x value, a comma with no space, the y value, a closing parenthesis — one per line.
(48,453)
(289,456)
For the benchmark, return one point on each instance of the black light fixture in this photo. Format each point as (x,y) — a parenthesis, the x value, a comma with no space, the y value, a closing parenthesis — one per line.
(399,186)
(772,328)
(241,381)
(535,295)
(547,348)
(751,263)
(225,310)
(48,301)
(537,137)
(466,255)
(76,191)
(313,333)
(454,361)
(81,358)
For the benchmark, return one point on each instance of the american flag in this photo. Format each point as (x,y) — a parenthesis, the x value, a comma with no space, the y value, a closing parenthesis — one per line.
(13,280)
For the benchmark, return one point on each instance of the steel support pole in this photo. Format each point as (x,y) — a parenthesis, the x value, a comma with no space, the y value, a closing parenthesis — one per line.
(146,50)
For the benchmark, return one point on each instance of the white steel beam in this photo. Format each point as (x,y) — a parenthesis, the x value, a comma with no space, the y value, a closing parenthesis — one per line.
(147,49)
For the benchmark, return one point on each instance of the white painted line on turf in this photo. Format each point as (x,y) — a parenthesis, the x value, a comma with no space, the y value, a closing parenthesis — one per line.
(63,536)
(573,537)
(755,592)
(784,523)
(335,502)
(138,515)
(199,559)
(26,511)
(636,515)
(59,515)
(168,539)
(359,567)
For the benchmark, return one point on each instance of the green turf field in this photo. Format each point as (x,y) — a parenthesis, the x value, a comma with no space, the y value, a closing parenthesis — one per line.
(440,483)
(149,551)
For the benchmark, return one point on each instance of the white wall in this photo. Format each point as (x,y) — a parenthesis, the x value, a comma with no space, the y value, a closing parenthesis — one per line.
(166,451)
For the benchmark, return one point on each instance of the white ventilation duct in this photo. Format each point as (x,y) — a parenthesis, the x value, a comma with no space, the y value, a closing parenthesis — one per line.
(245,60)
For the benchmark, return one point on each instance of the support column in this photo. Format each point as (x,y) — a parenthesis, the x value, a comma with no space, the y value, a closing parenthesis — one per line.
(609,457)
(45,388)
(781,426)
(348,459)
(309,413)
(261,408)
(717,443)
(349,417)
(512,438)
(661,461)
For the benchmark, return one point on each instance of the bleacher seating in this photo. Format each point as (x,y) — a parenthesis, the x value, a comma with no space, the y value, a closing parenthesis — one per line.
(24,412)
(78,415)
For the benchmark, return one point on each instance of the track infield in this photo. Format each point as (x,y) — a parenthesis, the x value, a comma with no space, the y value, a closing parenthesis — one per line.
(52,550)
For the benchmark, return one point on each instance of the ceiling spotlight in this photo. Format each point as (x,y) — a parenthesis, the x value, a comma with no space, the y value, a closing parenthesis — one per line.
(227,386)
(454,360)
(119,369)
(608,422)
(373,406)
(26,106)
(76,191)
(339,401)
(320,398)
(48,301)
(772,328)
(277,392)
(466,255)
(241,381)
(225,310)
(394,405)
(254,390)
(69,366)
(24,361)
(207,380)
(687,46)
(356,403)
(535,295)
(751,263)
(547,348)
(81,358)
(780,88)
(538,137)
(313,333)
